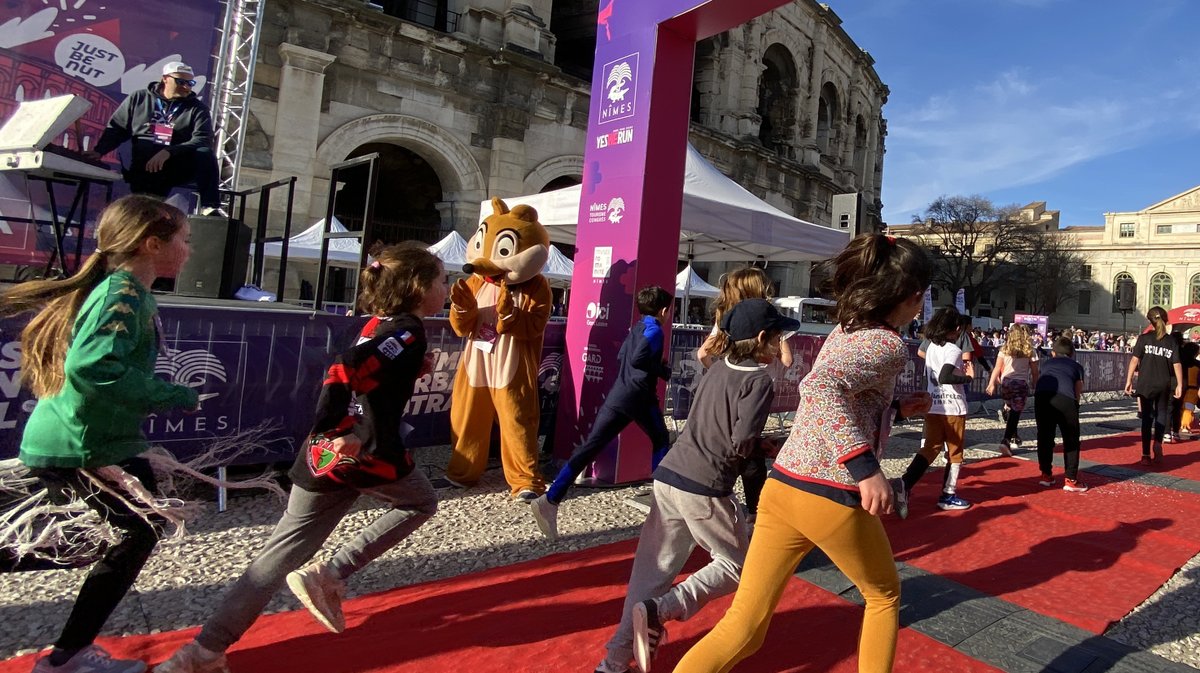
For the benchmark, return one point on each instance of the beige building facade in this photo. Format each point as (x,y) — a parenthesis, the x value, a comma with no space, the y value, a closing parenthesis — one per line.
(1158,248)
(468,99)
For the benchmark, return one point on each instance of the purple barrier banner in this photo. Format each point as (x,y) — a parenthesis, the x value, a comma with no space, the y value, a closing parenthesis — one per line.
(253,365)
(100,51)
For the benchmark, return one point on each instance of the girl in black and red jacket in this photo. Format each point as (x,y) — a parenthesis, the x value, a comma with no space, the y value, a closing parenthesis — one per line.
(356,447)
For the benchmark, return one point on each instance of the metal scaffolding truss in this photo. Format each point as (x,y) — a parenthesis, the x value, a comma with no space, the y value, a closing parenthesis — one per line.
(235,78)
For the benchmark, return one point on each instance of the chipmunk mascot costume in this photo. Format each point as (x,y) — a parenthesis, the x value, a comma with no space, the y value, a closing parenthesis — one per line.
(502,309)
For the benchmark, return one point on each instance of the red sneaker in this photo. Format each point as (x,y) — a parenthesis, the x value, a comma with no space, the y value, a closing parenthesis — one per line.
(1046,480)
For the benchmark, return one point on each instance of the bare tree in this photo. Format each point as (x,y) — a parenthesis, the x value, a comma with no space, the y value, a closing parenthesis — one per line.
(1051,271)
(972,242)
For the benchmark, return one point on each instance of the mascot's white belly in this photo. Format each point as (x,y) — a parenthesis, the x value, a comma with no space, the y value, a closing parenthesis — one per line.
(497,368)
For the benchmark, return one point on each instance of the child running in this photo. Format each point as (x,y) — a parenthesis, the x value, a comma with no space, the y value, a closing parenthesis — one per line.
(946,422)
(632,399)
(747,283)
(1056,407)
(1016,367)
(1155,360)
(356,449)
(693,490)
(89,356)
(827,489)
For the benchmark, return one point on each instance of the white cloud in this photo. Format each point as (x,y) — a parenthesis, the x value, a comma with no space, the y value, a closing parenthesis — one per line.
(1012,130)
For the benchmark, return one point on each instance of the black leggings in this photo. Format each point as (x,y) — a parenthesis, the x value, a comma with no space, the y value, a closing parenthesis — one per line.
(1156,416)
(113,575)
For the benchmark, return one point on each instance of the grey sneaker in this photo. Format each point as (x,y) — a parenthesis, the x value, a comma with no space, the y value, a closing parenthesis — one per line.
(193,658)
(648,634)
(545,514)
(901,506)
(320,592)
(526,496)
(91,659)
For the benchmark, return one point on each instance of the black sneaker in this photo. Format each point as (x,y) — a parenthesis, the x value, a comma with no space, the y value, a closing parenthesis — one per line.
(648,634)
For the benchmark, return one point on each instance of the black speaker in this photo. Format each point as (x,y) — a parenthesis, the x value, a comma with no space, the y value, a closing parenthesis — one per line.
(1126,295)
(217,265)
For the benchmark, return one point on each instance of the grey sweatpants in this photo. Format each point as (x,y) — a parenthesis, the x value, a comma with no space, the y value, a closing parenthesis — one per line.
(678,521)
(309,520)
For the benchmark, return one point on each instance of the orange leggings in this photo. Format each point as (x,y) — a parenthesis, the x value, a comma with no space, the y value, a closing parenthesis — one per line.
(790,523)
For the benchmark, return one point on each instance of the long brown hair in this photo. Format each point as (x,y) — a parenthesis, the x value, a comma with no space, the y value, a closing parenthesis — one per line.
(124,224)
(748,282)
(873,275)
(1157,317)
(398,278)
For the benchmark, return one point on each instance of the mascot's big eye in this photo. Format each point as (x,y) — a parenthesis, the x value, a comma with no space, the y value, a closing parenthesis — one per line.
(505,245)
(477,239)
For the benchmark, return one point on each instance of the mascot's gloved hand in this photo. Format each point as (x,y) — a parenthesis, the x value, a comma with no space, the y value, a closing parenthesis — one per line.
(504,301)
(462,297)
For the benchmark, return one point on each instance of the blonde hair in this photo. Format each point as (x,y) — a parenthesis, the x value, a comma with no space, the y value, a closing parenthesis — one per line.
(1018,344)
(748,282)
(1157,317)
(124,224)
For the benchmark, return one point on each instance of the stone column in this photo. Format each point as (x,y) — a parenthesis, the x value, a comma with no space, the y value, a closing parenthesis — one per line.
(506,175)
(298,124)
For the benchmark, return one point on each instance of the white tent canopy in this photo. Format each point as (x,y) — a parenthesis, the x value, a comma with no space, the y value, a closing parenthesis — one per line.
(558,268)
(689,284)
(452,250)
(306,246)
(721,221)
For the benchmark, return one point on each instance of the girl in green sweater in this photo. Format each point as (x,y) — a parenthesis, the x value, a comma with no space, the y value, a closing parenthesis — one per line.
(88,355)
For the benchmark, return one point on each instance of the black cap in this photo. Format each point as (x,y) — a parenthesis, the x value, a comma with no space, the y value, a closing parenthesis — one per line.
(749,317)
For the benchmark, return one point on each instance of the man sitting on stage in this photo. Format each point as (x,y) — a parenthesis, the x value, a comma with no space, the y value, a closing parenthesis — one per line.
(172,137)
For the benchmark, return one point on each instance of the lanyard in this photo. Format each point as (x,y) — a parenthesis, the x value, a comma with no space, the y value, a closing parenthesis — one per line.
(169,112)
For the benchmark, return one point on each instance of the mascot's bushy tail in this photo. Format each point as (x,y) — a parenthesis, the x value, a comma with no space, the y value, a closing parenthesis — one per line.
(38,531)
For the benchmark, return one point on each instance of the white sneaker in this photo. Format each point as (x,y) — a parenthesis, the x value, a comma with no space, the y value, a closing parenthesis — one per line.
(194,658)
(91,659)
(545,514)
(901,506)
(320,592)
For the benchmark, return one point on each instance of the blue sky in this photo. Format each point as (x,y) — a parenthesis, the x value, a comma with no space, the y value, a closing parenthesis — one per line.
(1090,105)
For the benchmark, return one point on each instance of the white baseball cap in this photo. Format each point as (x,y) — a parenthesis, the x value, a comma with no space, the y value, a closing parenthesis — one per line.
(177,67)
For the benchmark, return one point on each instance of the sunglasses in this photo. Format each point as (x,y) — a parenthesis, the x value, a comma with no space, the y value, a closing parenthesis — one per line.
(184,82)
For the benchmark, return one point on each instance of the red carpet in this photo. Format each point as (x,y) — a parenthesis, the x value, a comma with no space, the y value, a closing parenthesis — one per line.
(1179,460)
(1048,550)
(552,615)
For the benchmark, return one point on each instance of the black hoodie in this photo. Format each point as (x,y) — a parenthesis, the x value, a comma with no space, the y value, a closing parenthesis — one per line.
(134,120)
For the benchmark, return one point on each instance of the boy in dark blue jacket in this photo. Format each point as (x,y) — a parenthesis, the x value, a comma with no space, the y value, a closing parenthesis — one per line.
(633,398)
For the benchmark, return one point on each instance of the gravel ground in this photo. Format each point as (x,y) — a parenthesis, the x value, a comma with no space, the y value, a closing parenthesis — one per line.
(480,529)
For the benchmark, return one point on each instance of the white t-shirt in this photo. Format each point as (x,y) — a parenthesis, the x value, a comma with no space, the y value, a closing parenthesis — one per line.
(949,399)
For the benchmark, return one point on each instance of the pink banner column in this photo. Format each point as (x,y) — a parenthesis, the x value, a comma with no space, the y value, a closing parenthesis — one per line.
(629,212)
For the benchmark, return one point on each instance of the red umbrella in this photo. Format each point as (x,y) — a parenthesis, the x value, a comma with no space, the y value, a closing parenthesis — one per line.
(1184,315)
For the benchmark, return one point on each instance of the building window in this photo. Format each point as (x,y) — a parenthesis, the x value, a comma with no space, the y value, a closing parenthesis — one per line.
(1194,290)
(1085,302)
(934,293)
(1116,307)
(1160,290)
(1163,229)
(1085,273)
(1019,299)
(1127,229)
(985,297)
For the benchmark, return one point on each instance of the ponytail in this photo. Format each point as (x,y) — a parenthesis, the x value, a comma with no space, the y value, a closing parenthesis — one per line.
(1157,317)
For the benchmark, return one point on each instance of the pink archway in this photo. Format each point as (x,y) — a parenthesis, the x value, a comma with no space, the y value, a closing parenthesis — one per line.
(628,232)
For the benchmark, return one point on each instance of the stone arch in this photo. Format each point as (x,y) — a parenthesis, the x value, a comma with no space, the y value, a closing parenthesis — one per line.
(568,165)
(462,181)
(828,109)
(777,99)
(1162,286)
